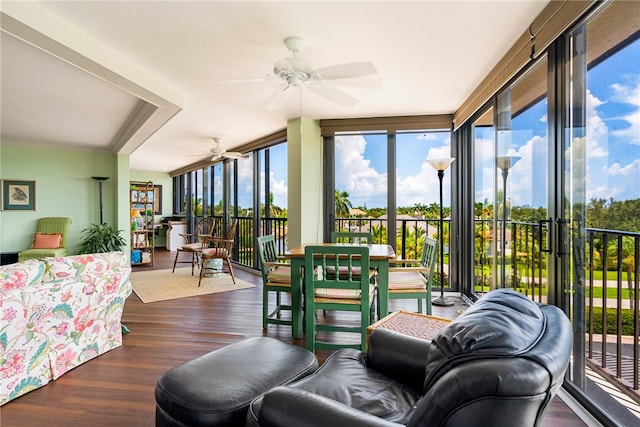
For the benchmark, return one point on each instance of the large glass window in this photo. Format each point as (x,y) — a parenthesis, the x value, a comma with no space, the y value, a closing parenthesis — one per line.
(417,191)
(273,193)
(522,180)
(361,183)
(401,208)
(217,180)
(601,208)
(484,246)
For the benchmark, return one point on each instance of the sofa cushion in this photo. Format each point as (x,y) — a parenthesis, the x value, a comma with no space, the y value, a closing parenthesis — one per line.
(88,265)
(47,241)
(20,275)
(503,323)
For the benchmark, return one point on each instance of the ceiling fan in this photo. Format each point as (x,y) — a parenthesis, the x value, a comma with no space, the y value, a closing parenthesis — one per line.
(220,153)
(296,71)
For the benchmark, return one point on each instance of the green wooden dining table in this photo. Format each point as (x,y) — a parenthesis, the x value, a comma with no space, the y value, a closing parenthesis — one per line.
(379,257)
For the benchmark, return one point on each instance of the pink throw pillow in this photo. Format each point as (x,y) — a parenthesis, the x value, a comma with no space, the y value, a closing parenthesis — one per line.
(47,241)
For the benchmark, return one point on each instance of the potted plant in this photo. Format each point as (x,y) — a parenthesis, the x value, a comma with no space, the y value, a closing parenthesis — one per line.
(99,238)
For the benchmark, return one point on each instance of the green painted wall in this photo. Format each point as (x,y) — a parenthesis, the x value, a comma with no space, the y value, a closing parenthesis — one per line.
(63,188)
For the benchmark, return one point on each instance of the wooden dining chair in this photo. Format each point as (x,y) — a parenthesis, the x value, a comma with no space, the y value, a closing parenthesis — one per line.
(276,278)
(218,248)
(193,242)
(358,237)
(412,279)
(350,290)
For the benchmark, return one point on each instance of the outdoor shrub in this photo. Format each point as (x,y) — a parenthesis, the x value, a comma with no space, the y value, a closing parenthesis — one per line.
(612,327)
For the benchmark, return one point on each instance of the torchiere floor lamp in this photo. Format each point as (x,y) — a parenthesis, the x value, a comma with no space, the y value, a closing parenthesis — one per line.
(100,179)
(441,165)
(505,163)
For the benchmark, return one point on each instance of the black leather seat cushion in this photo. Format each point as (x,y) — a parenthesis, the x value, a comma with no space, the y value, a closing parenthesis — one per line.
(216,388)
(344,377)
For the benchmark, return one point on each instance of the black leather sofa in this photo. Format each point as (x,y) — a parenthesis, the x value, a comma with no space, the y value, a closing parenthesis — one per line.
(498,364)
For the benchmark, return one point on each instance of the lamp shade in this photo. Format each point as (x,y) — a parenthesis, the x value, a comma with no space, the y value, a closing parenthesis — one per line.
(506,162)
(135,213)
(441,164)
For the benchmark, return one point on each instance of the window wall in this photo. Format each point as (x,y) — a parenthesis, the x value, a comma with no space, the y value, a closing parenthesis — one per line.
(400,208)
(251,190)
(600,208)
(556,191)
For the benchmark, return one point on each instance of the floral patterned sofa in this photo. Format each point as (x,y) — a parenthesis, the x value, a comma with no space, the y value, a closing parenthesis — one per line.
(56,314)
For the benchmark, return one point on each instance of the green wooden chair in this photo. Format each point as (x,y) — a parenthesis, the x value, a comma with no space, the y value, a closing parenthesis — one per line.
(353,237)
(412,279)
(276,278)
(50,239)
(334,282)
(357,237)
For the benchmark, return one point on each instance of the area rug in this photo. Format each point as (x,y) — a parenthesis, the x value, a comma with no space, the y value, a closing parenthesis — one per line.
(162,285)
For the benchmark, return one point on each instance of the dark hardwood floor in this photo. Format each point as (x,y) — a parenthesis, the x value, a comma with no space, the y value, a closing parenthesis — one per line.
(117,388)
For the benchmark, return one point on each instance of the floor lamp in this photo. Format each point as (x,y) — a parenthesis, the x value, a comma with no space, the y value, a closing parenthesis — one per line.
(505,163)
(100,179)
(441,165)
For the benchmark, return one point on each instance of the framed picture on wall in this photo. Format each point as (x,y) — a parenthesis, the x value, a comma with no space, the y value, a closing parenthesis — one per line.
(18,195)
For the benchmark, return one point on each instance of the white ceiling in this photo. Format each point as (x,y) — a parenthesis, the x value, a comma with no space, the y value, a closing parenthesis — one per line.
(150,78)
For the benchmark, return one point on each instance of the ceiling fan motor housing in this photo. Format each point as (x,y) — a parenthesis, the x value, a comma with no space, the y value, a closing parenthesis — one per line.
(293,70)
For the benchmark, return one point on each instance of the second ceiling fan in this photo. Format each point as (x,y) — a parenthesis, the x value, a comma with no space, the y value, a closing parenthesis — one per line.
(219,152)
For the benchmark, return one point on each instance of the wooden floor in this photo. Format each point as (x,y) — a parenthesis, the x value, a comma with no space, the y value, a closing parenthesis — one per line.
(117,388)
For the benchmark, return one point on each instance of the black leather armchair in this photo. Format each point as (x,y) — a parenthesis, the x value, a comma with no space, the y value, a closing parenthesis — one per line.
(498,364)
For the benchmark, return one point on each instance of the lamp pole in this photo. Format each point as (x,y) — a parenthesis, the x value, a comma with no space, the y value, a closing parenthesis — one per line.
(100,179)
(441,165)
(504,164)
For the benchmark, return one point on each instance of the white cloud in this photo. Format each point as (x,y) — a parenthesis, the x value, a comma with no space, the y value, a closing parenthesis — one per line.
(631,170)
(279,190)
(424,187)
(354,173)
(596,128)
(629,94)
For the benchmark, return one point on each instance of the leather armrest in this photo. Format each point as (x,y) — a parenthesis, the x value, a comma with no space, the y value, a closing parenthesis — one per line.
(401,357)
(286,406)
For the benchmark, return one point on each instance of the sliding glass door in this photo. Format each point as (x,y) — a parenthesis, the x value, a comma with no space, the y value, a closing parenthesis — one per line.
(511,184)
(600,200)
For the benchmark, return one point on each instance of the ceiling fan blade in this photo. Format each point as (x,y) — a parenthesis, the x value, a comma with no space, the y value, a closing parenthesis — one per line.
(333,95)
(344,71)
(278,100)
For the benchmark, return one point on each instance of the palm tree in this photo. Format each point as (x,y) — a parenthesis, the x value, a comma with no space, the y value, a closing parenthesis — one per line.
(379,233)
(343,204)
